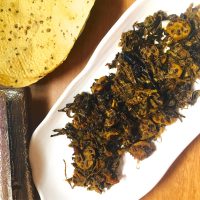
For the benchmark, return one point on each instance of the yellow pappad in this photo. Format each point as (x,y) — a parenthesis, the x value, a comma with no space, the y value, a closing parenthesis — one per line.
(36,36)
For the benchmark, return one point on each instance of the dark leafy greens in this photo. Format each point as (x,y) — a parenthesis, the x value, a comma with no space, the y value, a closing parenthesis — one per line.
(127,111)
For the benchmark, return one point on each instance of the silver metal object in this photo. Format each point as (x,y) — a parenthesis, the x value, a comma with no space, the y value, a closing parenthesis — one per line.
(5,168)
(22,187)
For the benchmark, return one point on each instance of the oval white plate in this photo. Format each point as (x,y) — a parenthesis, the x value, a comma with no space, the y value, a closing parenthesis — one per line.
(47,154)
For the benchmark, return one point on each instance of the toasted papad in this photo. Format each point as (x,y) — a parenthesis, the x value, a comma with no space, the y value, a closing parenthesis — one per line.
(36,36)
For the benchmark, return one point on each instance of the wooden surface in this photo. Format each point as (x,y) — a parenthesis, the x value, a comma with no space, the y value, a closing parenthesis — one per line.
(182,181)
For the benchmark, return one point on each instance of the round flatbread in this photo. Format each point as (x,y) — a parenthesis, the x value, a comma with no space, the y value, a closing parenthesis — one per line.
(36,36)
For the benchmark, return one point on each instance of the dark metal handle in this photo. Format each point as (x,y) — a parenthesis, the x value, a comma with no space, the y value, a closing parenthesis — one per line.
(21,181)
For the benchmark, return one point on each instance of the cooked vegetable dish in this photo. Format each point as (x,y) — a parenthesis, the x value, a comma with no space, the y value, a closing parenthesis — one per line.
(128,110)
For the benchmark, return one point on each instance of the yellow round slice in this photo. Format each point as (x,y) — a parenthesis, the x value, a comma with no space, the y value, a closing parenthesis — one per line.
(36,36)
(178,29)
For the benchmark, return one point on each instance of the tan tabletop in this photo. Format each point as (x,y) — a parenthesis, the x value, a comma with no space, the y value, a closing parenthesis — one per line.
(182,181)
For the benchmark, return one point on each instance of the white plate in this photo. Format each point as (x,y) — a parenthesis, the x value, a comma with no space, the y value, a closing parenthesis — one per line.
(47,154)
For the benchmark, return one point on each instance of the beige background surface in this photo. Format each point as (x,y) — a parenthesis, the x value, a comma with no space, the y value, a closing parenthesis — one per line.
(182,181)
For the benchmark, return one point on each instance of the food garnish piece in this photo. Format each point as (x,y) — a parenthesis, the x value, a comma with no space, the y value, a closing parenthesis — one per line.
(178,29)
(142,149)
(37,36)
